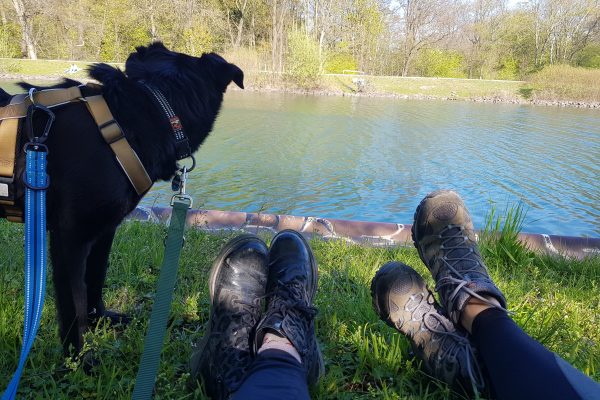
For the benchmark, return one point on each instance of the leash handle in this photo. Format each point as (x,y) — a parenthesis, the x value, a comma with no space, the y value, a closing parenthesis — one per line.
(35,257)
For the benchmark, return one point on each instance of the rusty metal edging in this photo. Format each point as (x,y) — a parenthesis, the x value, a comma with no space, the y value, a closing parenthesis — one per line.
(377,234)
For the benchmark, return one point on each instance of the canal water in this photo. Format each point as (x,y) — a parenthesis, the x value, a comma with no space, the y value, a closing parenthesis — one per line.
(375,158)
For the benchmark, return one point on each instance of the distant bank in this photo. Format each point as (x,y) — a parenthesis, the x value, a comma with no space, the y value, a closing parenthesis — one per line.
(561,86)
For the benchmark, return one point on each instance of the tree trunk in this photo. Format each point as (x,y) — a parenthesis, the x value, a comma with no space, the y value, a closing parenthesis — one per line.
(238,40)
(153,30)
(25,22)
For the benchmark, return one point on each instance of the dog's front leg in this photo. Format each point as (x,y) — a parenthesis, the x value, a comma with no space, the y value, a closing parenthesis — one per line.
(95,276)
(69,253)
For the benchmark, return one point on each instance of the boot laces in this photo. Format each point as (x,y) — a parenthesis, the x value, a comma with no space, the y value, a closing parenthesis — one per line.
(452,346)
(459,263)
(245,313)
(291,296)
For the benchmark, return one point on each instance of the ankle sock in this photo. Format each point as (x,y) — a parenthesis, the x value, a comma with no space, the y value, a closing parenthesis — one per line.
(274,341)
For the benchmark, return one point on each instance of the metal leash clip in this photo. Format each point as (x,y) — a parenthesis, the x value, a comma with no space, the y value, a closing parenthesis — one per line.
(178,184)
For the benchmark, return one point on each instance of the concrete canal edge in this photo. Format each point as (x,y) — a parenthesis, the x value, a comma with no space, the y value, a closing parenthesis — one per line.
(377,234)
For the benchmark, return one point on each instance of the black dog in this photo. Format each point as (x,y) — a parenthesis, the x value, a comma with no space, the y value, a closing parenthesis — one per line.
(89,194)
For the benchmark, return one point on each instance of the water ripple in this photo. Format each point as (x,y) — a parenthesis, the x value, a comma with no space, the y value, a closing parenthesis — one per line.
(374,159)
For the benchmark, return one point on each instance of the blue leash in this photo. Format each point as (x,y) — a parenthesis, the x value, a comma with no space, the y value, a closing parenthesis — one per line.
(36,182)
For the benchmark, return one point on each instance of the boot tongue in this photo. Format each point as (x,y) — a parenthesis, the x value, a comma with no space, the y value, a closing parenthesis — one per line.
(454,242)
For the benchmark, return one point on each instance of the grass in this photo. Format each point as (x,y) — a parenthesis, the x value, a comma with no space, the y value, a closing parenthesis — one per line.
(554,300)
(553,83)
(563,82)
(43,68)
(435,87)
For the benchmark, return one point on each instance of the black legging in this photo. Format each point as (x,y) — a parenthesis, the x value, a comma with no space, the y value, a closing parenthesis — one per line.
(274,375)
(521,368)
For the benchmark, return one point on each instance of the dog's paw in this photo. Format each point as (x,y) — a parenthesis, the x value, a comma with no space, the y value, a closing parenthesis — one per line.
(89,363)
(112,317)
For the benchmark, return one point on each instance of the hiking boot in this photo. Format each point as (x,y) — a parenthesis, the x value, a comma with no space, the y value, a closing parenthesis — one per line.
(443,234)
(291,287)
(237,283)
(402,300)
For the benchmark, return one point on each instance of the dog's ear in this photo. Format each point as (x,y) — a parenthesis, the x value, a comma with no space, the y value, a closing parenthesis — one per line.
(224,72)
(105,73)
(150,62)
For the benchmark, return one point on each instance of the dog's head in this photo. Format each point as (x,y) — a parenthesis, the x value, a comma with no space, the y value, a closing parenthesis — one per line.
(194,86)
(156,62)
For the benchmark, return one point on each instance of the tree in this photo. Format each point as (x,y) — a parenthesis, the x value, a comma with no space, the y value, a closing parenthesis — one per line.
(426,22)
(25,11)
(481,28)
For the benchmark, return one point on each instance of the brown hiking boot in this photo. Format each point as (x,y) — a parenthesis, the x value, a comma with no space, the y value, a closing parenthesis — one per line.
(403,301)
(443,234)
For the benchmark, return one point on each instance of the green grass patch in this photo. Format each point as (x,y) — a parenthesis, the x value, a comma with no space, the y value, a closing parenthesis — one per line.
(392,85)
(436,87)
(43,68)
(554,300)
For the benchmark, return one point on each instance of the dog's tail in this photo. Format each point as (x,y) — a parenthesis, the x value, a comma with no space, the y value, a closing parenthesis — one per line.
(66,83)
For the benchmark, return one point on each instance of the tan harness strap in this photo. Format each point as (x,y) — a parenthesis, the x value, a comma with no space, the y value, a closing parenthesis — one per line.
(8,141)
(48,97)
(112,134)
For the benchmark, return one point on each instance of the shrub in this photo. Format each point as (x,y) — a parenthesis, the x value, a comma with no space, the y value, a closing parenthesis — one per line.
(440,63)
(302,60)
(589,56)
(10,37)
(564,82)
(337,63)
(508,69)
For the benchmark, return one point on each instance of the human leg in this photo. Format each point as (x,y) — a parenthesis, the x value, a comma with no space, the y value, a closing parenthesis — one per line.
(519,367)
(288,355)
(237,285)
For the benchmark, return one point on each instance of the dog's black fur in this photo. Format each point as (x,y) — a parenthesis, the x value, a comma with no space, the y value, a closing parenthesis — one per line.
(89,194)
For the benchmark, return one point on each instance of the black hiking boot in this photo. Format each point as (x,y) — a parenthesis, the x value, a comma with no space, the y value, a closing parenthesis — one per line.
(292,284)
(237,283)
(402,300)
(443,234)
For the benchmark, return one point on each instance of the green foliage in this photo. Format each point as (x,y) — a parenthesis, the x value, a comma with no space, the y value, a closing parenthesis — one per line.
(196,40)
(338,62)
(10,35)
(302,61)
(589,57)
(440,63)
(508,69)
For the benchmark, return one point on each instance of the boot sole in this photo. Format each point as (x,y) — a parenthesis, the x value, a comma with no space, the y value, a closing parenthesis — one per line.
(386,268)
(413,229)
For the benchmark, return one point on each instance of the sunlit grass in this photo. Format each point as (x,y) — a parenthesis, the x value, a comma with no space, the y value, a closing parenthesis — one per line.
(555,300)
(564,82)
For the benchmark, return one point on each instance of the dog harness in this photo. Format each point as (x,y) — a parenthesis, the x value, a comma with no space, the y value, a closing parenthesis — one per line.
(11,141)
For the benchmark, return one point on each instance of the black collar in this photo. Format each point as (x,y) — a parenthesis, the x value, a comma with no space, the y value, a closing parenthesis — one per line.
(182,144)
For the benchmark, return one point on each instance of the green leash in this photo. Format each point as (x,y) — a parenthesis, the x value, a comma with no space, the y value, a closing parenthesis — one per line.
(146,377)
